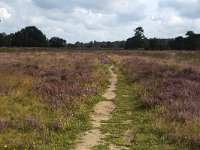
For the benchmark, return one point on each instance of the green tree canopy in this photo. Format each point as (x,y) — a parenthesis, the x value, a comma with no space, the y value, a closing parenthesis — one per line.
(57,42)
(29,37)
(138,41)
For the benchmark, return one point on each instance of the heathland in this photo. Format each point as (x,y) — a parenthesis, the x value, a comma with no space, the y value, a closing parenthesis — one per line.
(49,99)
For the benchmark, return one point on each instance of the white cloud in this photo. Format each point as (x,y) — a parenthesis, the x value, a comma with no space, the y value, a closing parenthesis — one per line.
(81,20)
(38,20)
(197,24)
(4,14)
(186,8)
(175,20)
(92,20)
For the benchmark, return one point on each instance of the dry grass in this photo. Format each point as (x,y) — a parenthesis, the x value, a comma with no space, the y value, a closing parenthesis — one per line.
(168,87)
(45,97)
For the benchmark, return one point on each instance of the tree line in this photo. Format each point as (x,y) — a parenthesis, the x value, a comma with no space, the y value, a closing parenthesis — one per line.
(96,45)
(139,41)
(31,36)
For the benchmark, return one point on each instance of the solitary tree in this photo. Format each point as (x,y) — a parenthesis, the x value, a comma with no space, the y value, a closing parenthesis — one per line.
(139,32)
(138,40)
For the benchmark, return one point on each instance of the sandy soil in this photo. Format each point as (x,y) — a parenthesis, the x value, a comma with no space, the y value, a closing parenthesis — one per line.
(102,112)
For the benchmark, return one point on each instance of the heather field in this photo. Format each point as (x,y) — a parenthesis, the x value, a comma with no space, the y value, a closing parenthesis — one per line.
(45,97)
(109,99)
(99,75)
(168,86)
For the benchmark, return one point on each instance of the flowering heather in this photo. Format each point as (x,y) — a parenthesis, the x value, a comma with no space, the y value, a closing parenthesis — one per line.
(58,86)
(29,69)
(177,89)
(2,125)
(43,93)
(4,89)
(104,60)
(32,122)
(164,84)
(55,126)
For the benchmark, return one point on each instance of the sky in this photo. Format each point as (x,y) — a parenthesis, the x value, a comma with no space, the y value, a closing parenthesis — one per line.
(101,20)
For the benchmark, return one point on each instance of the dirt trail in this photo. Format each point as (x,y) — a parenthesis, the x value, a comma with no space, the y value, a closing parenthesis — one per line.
(102,112)
(110,92)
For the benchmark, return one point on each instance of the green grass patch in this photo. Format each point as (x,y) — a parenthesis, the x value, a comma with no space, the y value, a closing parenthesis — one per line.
(132,126)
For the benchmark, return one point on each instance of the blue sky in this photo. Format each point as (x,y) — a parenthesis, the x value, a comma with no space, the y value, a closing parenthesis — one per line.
(101,20)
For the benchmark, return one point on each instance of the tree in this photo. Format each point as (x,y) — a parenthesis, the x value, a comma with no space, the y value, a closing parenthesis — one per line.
(190,33)
(77,44)
(29,37)
(57,42)
(129,43)
(91,44)
(178,43)
(2,39)
(192,40)
(138,41)
(153,44)
(5,40)
(139,32)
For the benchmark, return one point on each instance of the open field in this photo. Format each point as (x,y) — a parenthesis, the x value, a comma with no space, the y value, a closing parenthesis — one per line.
(99,75)
(47,99)
(168,86)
